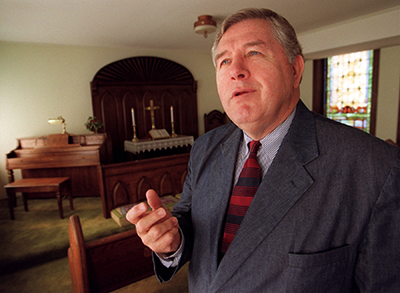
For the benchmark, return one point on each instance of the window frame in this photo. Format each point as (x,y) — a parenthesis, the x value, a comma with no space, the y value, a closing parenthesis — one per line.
(319,86)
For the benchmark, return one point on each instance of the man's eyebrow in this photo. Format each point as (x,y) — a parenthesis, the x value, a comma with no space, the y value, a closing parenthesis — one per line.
(219,55)
(254,43)
(249,44)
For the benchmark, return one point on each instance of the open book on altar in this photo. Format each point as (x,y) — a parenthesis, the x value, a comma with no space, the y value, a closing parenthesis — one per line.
(159,133)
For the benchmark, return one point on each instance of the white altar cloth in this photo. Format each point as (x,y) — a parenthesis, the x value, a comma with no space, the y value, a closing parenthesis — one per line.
(158,144)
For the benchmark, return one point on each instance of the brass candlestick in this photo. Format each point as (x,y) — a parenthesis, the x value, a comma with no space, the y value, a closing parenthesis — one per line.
(134,139)
(173,134)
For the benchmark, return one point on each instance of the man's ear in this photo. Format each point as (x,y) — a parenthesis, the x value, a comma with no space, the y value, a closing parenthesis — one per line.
(298,68)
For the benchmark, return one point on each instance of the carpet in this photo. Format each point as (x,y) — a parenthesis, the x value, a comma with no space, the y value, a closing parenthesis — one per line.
(33,247)
(39,235)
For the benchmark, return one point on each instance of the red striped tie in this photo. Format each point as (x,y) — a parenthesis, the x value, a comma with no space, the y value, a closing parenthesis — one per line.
(242,195)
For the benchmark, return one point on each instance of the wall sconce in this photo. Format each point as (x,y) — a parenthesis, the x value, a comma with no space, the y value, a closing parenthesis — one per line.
(205,25)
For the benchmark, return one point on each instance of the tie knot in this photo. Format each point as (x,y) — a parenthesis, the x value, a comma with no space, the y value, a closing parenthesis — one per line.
(254,145)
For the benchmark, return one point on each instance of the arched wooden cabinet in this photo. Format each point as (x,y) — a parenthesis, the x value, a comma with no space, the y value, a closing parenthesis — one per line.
(133,83)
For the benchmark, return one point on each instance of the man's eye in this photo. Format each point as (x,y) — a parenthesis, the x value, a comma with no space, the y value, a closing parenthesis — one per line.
(223,62)
(252,53)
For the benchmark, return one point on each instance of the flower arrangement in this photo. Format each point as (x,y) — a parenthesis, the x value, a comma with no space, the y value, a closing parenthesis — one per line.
(93,124)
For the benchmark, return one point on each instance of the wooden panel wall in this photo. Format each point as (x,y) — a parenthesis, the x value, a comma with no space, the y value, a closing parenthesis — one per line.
(133,83)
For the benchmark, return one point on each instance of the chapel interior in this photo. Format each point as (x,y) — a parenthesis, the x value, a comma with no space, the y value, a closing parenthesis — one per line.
(152,103)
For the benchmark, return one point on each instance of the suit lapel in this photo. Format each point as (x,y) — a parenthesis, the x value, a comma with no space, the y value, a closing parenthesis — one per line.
(222,188)
(285,182)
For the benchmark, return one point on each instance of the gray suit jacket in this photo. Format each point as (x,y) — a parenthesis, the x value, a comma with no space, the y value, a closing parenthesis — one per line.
(326,217)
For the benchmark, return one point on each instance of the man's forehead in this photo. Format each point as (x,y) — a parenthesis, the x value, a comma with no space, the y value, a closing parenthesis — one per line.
(245,32)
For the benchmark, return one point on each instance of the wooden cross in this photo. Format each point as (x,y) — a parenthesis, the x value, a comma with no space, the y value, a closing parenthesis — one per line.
(151,109)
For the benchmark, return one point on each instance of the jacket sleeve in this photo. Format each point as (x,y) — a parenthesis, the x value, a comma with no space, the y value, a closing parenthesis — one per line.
(378,263)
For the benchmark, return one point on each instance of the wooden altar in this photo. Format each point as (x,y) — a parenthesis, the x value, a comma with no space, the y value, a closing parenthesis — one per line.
(140,91)
(141,84)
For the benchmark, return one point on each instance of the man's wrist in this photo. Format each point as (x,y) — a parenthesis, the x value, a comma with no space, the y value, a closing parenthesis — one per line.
(172,260)
(172,253)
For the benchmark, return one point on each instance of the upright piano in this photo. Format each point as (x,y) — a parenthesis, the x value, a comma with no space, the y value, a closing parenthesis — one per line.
(62,155)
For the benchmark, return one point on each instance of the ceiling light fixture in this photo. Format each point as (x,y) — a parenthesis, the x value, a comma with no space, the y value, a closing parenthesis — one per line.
(205,25)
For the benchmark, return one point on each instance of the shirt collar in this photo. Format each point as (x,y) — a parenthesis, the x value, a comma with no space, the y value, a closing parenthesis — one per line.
(271,142)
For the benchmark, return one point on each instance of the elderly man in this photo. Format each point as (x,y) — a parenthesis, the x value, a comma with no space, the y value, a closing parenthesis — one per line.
(312,206)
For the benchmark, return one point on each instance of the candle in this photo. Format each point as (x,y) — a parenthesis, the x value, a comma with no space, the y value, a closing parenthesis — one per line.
(172,114)
(133,117)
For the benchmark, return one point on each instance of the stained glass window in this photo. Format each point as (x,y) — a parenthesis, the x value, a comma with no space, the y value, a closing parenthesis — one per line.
(349,88)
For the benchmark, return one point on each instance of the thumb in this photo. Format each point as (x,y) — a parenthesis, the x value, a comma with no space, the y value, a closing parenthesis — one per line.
(153,200)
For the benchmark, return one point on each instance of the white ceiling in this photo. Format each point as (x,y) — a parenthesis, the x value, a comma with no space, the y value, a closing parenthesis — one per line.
(166,24)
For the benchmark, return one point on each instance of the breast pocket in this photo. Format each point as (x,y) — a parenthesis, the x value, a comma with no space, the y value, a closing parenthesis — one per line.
(319,272)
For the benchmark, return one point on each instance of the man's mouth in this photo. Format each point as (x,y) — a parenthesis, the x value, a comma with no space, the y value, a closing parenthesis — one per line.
(240,92)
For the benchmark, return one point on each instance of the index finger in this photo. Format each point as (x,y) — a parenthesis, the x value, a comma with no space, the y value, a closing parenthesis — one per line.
(136,213)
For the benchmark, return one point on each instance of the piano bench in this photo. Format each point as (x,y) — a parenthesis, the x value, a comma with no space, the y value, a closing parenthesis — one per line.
(57,185)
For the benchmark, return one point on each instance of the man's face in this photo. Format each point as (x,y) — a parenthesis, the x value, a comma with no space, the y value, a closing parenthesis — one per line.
(257,85)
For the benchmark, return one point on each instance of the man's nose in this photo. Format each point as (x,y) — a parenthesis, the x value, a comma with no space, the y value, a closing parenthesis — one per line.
(239,71)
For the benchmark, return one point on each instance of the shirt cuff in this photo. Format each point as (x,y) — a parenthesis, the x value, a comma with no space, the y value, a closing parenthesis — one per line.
(172,261)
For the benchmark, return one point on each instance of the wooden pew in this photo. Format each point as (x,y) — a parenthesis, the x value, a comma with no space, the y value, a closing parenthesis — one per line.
(127,183)
(108,263)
